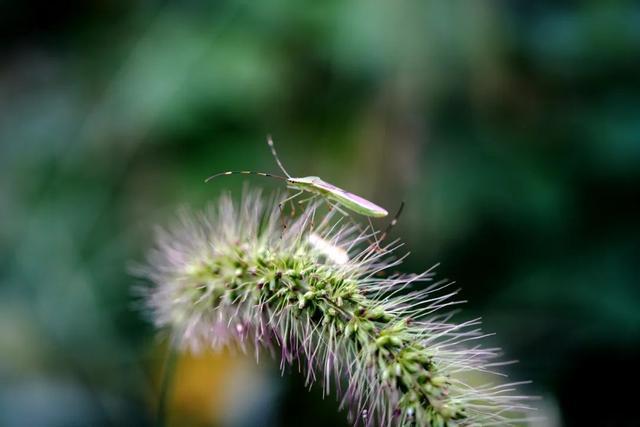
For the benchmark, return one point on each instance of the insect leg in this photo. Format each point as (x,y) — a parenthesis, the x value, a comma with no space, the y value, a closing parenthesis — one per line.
(284,224)
(357,226)
(293,205)
(290,198)
(281,204)
(293,208)
(392,224)
(313,211)
(307,199)
(313,219)
(363,230)
(336,207)
(375,238)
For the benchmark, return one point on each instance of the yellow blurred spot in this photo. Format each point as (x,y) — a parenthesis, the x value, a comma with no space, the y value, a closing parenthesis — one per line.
(203,386)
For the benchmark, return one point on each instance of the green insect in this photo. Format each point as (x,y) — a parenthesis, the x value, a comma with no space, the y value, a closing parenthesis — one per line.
(336,197)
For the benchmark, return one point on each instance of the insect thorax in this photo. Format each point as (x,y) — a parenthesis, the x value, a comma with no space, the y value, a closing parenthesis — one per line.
(307,183)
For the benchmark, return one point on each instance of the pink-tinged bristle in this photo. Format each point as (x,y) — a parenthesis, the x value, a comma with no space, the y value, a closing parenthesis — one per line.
(317,293)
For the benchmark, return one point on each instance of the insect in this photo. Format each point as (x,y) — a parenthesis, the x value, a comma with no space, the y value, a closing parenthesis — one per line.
(336,197)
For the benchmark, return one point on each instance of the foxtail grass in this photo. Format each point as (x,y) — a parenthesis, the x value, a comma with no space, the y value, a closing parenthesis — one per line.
(322,297)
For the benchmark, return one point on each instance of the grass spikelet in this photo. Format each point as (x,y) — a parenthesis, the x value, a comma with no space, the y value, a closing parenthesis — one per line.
(321,296)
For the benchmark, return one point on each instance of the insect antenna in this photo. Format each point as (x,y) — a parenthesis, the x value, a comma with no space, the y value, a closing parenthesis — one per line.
(275,155)
(270,175)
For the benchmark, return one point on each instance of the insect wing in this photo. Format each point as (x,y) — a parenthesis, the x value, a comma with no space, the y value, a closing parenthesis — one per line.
(349,199)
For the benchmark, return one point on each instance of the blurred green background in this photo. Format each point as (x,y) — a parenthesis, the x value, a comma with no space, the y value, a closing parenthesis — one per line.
(510,128)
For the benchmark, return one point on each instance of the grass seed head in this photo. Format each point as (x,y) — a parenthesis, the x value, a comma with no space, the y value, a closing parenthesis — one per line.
(318,293)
